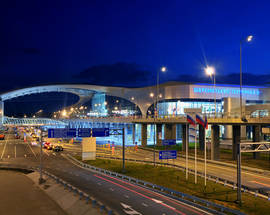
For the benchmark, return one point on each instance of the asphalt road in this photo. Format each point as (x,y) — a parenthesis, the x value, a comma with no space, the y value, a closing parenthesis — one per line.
(121,196)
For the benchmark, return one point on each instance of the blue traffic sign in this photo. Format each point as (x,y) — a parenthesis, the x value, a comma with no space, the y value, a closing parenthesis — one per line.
(61,132)
(172,154)
(100,132)
(169,142)
(84,132)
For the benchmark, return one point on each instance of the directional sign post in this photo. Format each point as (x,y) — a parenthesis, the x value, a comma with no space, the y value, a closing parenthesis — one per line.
(169,142)
(62,133)
(84,132)
(100,132)
(171,154)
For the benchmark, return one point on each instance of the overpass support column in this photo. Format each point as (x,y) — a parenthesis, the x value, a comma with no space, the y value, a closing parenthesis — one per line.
(133,134)
(170,131)
(214,142)
(1,112)
(159,131)
(185,128)
(144,134)
(256,130)
(236,140)
(201,137)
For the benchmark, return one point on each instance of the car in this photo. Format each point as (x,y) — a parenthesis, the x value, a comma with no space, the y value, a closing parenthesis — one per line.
(57,148)
(2,136)
(47,145)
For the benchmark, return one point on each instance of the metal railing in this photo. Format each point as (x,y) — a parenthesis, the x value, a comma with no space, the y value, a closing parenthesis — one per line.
(82,195)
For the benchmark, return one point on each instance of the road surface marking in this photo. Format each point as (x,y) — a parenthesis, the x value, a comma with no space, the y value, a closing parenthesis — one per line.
(182,204)
(3,150)
(267,185)
(111,189)
(145,205)
(15,150)
(129,210)
(32,150)
(127,196)
(99,183)
(133,191)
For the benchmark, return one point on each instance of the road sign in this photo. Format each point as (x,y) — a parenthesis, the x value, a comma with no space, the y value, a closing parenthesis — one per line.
(169,142)
(62,133)
(100,132)
(84,132)
(172,154)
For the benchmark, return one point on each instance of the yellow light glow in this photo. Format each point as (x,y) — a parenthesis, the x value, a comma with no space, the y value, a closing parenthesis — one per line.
(209,70)
(163,69)
(249,38)
(64,113)
(151,95)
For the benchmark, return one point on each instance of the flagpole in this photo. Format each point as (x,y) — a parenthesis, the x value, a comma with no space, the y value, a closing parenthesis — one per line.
(195,154)
(187,151)
(205,157)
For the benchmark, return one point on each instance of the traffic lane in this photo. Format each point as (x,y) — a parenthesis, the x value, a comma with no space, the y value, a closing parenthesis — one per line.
(103,189)
(161,203)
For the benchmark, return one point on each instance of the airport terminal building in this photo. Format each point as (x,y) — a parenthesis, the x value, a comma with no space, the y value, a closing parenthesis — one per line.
(167,100)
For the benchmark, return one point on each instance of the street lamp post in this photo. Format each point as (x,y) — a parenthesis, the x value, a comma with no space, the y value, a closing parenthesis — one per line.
(209,70)
(247,39)
(243,118)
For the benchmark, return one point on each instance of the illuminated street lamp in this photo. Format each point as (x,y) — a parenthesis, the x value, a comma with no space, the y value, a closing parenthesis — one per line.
(247,39)
(210,71)
(64,113)
(162,69)
(243,118)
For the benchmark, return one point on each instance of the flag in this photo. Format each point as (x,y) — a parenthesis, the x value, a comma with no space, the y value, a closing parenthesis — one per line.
(191,120)
(205,122)
(199,120)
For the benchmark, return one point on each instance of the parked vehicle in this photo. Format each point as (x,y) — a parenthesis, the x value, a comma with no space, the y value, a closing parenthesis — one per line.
(2,136)
(57,148)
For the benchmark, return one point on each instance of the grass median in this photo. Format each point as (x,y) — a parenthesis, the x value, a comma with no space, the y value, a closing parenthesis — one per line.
(175,179)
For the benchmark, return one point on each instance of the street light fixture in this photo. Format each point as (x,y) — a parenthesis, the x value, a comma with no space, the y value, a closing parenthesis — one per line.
(210,71)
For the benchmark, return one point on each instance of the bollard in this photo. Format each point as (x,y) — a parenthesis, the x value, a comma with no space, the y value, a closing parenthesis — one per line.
(268,196)
(70,188)
(94,202)
(225,183)
(256,193)
(65,186)
(110,212)
(81,195)
(234,186)
(102,208)
(87,199)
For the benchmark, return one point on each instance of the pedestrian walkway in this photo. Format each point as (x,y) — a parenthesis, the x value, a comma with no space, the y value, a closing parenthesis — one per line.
(19,195)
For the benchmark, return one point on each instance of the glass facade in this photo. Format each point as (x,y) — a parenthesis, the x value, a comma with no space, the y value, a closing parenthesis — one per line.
(177,107)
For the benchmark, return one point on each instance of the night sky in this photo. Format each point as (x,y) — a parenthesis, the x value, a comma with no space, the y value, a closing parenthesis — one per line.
(124,43)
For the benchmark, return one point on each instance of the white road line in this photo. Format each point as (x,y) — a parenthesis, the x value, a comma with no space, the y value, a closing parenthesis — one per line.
(145,205)
(31,149)
(45,152)
(3,150)
(15,150)
(99,184)
(111,189)
(126,196)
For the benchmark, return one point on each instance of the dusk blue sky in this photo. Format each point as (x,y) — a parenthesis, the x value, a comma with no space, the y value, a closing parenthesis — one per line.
(95,42)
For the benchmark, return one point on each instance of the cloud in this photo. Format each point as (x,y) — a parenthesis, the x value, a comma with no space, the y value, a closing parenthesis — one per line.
(118,74)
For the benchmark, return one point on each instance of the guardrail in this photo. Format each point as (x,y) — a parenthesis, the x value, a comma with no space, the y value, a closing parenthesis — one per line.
(82,195)
(193,200)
